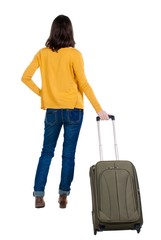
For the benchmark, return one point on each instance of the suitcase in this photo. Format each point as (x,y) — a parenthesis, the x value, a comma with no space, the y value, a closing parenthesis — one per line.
(116,200)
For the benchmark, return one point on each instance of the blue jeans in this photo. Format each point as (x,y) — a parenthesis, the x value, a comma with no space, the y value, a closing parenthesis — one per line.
(71,120)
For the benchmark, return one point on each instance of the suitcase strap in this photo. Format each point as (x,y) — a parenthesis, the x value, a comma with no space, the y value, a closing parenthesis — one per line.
(112,117)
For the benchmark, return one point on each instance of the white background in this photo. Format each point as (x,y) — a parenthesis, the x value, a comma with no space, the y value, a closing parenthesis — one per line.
(121,45)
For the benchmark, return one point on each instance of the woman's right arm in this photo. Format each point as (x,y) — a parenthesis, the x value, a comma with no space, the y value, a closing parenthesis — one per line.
(28,74)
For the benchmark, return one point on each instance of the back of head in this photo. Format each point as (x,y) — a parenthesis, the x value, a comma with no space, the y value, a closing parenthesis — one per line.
(61,34)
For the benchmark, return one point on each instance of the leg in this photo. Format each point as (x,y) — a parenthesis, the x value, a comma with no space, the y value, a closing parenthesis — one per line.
(72,128)
(51,133)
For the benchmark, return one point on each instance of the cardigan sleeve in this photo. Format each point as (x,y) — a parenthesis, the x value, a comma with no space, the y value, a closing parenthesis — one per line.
(83,84)
(28,74)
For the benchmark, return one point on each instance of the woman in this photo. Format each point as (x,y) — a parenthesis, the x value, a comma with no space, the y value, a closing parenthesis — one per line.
(63,85)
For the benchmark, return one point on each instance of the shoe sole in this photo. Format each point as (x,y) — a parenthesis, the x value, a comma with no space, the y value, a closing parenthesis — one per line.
(39,206)
(62,206)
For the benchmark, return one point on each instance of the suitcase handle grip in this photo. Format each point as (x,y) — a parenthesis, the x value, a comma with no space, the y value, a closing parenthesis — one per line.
(112,117)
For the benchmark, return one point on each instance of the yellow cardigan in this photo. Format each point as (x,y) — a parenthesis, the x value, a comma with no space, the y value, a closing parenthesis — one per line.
(63,79)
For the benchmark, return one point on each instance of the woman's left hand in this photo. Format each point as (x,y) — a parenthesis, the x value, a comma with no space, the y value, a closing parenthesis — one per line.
(103,115)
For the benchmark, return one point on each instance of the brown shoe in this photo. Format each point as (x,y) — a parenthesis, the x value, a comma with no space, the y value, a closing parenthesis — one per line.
(39,202)
(62,201)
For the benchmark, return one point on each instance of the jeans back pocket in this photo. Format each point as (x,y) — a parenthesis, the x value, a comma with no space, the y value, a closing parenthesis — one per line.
(75,115)
(51,116)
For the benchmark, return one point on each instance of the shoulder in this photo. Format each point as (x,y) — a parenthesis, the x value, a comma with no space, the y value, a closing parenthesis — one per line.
(75,53)
(69,50)
(42,53)
(44,50)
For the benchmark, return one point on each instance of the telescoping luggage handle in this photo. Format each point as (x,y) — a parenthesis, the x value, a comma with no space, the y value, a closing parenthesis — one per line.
(112,117)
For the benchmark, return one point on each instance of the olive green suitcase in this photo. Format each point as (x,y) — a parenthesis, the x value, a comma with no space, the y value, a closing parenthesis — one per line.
(116,201)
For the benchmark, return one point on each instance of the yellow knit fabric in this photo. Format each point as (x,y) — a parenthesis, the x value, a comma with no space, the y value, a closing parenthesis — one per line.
(63,79)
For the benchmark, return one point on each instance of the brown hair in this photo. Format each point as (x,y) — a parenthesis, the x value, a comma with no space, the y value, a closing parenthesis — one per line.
(61,34)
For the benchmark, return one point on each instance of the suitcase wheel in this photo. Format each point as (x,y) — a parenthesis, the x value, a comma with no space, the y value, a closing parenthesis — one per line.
(95,231)
(138,228)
